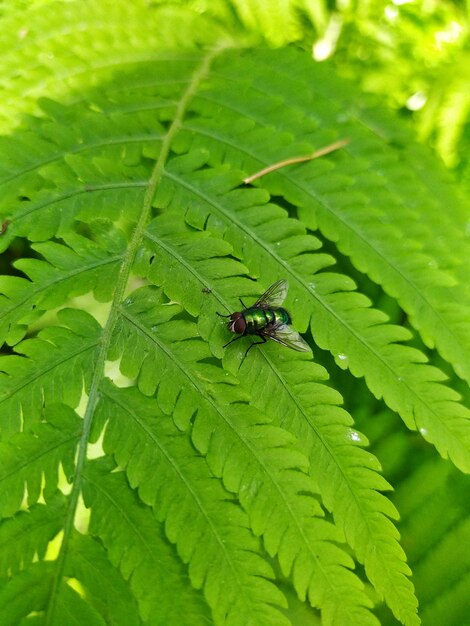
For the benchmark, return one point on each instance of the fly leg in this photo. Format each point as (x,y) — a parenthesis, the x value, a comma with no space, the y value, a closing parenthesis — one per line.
(232,340)
(257,343)
(220,314)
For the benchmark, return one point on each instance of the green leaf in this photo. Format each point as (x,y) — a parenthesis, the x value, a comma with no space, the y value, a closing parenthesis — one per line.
(29,459)
(104,588)
(135,542)
(27,534)
(224,558)
(69,270)
(53,367)
(346,474)
(25,593)
(256,460)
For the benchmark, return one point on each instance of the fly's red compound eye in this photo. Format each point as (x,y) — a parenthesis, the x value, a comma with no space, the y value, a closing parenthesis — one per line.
(239,325)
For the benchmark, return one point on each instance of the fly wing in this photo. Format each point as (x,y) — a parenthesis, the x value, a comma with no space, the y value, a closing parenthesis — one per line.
(274,296)
(288,337)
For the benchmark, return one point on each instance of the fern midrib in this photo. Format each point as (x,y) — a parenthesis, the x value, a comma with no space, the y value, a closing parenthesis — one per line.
(229,218)
(311,425)
(121,284)
(244,442)
(77,149)
(77,192)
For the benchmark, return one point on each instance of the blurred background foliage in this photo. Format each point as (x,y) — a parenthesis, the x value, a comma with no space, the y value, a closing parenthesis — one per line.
(414,54)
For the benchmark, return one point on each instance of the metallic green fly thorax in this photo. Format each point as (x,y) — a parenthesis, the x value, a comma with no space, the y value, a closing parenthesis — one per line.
(257,318)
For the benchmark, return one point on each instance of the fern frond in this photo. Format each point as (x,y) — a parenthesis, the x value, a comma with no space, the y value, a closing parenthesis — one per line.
(341,320)
(363,203)
(347,476)
(26,535)
(29,457)
(436,526)
(135,542)
(256,460)
(389,369)
(59,50)
(224,557)
(81,266)
(26,593)
(104,588)
(54,367)
(281,389)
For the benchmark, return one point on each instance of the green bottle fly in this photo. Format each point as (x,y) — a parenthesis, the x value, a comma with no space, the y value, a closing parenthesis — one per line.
(267,320)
